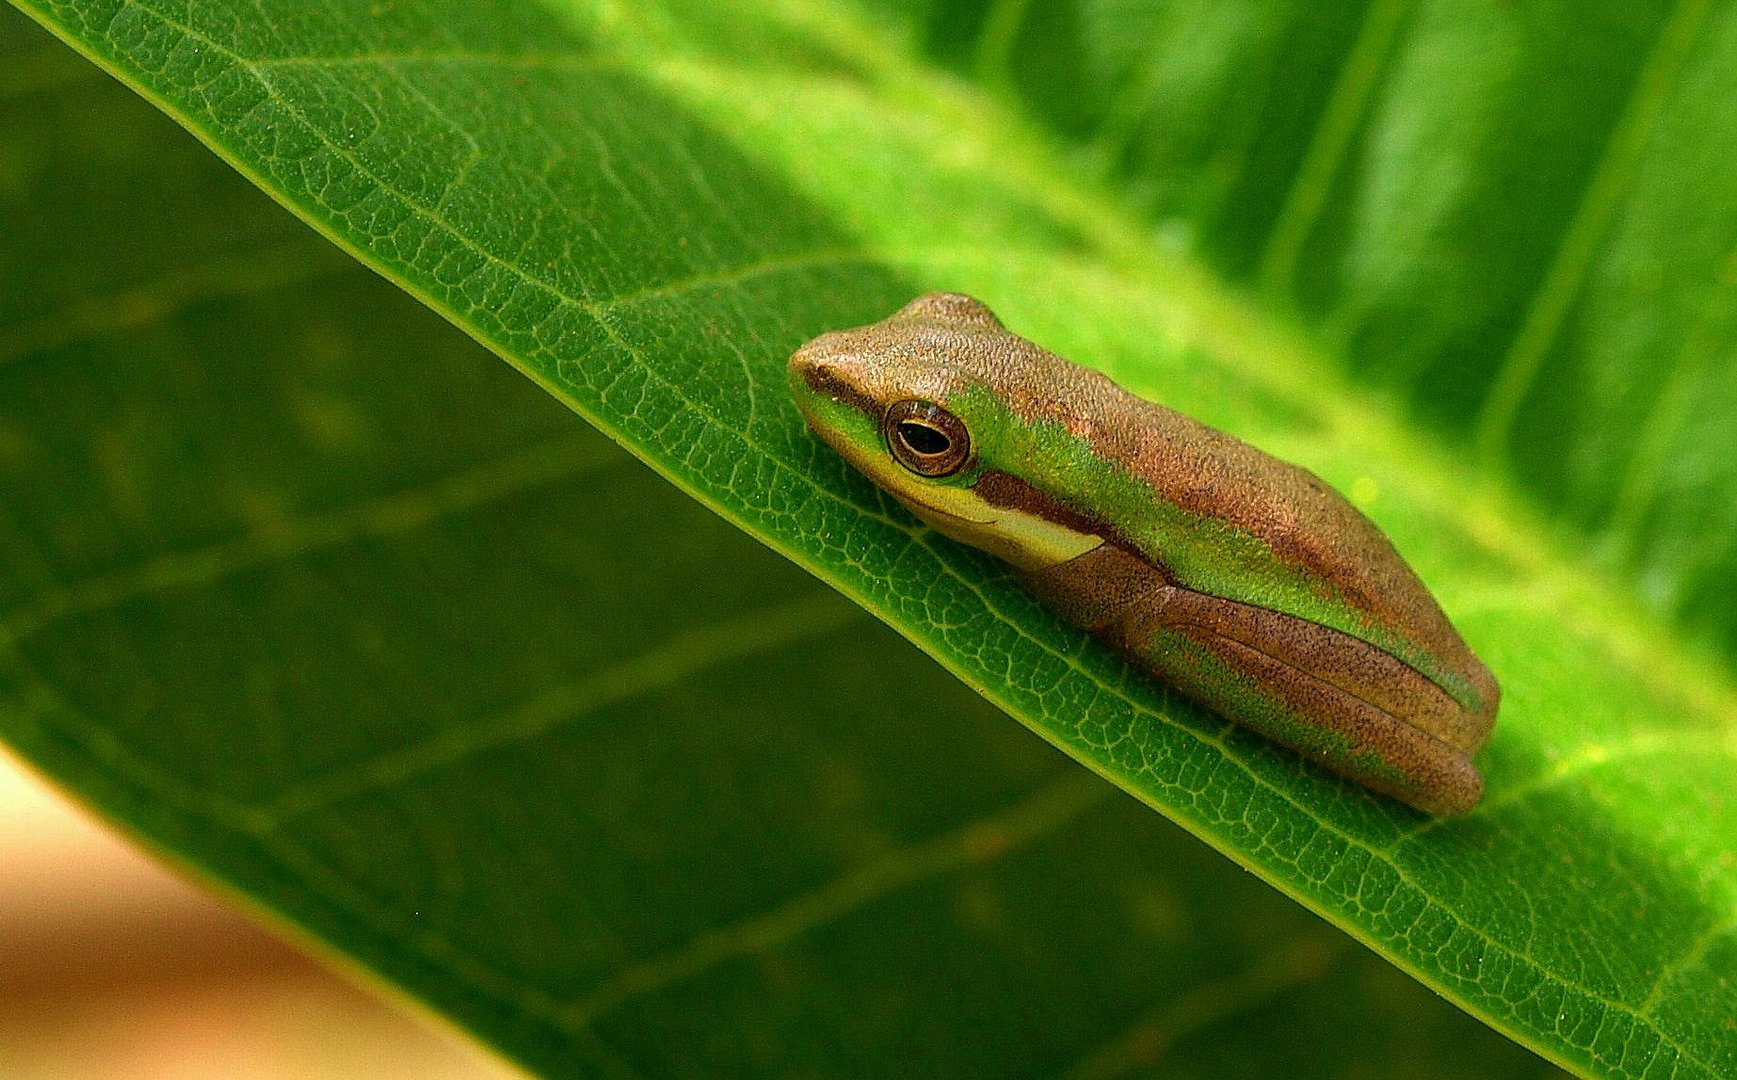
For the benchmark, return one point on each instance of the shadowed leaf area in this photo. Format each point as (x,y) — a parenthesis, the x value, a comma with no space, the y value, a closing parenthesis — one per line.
(312,594)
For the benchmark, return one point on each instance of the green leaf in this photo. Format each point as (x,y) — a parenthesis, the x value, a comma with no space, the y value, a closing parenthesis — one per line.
(309,596)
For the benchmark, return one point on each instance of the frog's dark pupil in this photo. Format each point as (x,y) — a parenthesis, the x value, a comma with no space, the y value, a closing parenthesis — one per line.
(923,439)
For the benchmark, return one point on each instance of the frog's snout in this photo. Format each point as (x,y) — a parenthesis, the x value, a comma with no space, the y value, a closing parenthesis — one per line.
(823,368)
(808,363)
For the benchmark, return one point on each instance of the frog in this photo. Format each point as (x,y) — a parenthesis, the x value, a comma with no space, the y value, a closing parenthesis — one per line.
(1242,581)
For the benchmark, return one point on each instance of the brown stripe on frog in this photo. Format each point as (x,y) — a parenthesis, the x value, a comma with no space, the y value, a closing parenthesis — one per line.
(1389,724)
(1004,491)
(1289,510)
(826,383)
(1123,596)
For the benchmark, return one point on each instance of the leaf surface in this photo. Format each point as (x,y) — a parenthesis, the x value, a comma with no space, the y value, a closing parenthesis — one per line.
(319,603)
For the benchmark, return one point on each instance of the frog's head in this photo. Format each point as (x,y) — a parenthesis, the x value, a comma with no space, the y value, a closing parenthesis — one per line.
(924,403)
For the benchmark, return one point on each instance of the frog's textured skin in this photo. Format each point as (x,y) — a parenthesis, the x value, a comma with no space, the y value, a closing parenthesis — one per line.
(1243,581)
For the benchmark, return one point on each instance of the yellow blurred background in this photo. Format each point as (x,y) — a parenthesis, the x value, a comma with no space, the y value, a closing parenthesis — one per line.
(113,967)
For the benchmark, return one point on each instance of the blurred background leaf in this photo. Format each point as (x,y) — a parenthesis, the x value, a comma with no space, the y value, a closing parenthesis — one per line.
(317,599)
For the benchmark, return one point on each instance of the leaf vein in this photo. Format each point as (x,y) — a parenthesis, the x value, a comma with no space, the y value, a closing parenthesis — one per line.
(979,842)
(511,474)
(1331,143)
(1566,275)
(662,665)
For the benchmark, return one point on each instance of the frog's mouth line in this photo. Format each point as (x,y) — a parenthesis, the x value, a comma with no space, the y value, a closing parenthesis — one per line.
(878,466)
(920,507)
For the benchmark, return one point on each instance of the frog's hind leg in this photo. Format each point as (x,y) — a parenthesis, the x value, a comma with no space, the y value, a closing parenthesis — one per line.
(1333,697)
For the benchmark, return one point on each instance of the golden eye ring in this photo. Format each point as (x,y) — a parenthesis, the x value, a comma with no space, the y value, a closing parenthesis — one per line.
(926,439)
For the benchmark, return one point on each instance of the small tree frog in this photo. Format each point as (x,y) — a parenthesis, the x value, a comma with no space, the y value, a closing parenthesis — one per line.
(1243,581)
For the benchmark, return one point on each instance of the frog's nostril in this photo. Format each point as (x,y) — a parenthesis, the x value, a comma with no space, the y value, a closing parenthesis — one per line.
(810,364)
(828,368)
(802,361)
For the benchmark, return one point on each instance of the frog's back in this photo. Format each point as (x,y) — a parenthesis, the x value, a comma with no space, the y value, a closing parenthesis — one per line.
(1232,488)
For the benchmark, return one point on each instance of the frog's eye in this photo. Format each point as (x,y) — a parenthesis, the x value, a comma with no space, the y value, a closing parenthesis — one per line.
(927,439)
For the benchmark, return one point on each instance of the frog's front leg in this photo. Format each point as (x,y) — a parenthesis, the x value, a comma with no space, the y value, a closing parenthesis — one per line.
(1327,694)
